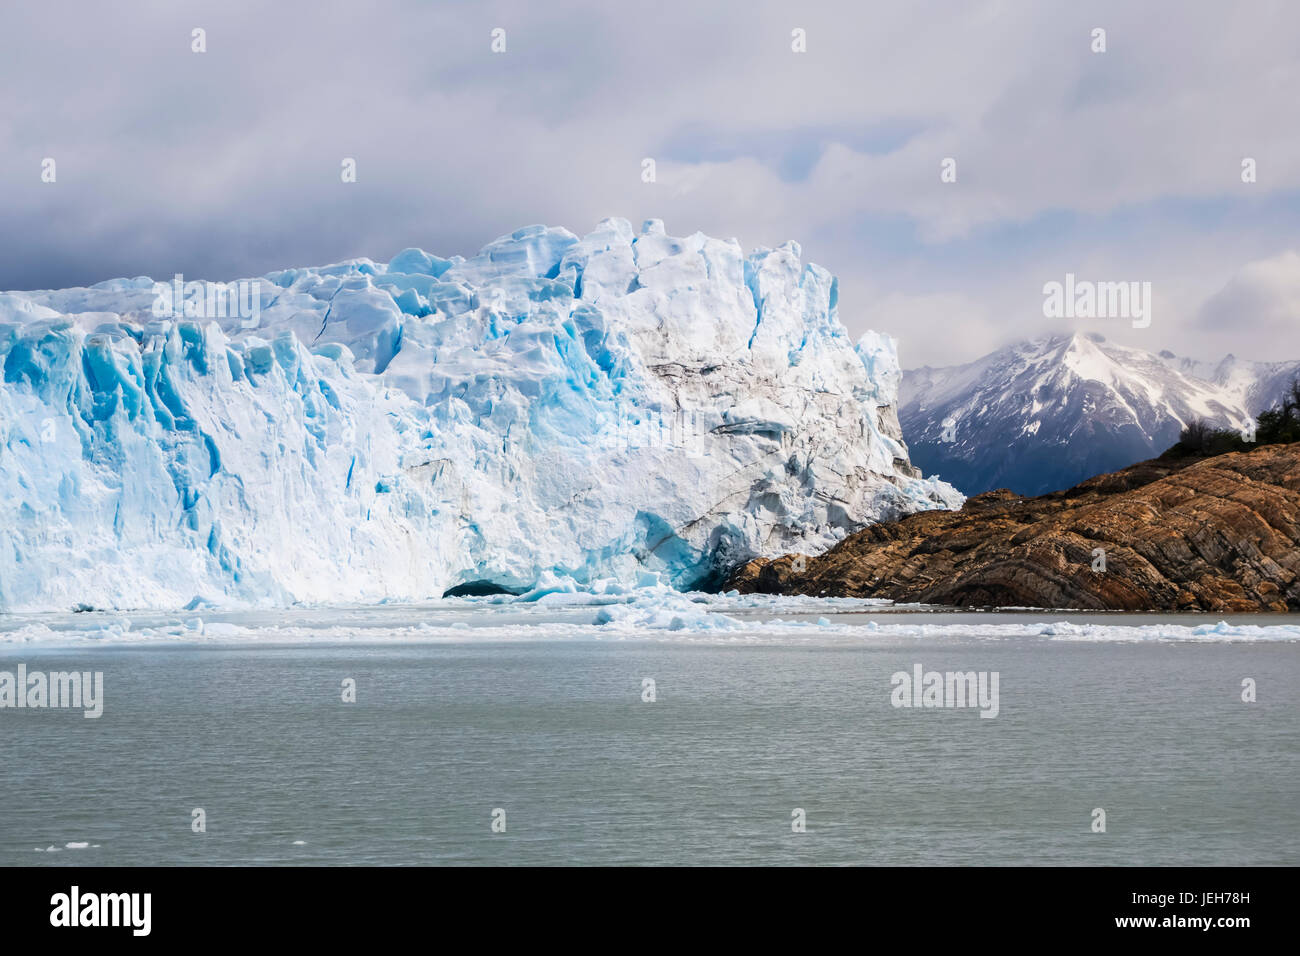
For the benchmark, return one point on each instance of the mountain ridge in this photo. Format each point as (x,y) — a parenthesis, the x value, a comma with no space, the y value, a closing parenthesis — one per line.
(1047,413)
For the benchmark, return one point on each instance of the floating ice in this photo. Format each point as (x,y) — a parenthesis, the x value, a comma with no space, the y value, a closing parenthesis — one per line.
(635,614)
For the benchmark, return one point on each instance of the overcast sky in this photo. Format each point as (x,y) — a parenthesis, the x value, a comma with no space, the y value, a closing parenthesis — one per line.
(1122,165)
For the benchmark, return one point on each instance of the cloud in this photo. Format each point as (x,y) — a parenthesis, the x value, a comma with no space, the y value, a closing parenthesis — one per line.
(226,163)
(900,313)
(1264,297)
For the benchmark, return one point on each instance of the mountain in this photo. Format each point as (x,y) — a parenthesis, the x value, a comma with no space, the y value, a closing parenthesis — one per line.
(1213,534)
(1044,415)
(554,412)
(1255,385)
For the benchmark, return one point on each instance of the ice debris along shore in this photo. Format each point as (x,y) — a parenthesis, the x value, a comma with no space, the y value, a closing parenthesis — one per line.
(554,407)
(607,611)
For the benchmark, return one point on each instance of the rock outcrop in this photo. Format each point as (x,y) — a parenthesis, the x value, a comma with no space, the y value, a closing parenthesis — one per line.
(1215,534)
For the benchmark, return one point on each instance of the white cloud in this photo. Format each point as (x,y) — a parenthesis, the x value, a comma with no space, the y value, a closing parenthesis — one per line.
(1263,296)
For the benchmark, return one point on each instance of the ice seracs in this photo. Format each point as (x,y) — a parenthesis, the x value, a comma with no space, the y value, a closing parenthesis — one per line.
(554,408)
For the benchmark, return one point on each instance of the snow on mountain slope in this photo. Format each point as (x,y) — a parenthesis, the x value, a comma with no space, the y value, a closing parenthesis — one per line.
(1254,385)
(553,408)
(1043,415)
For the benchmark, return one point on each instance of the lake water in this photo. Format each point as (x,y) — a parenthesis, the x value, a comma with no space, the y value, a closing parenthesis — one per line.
(536,709)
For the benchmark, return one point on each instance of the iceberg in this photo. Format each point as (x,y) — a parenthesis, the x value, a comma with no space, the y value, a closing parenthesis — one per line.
(550,413)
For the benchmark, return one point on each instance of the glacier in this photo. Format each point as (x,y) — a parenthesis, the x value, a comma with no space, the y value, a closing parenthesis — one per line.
(555,412)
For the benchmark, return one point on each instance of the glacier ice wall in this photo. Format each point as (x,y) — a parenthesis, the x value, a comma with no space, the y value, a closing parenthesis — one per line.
(553,407)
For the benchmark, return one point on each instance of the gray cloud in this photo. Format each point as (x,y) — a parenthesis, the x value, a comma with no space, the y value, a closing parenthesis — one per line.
(226,163)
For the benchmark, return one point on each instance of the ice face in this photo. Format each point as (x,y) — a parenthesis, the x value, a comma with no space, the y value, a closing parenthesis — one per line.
(553,409)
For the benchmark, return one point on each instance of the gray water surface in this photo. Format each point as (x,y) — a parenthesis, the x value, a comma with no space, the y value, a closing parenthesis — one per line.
(556,734)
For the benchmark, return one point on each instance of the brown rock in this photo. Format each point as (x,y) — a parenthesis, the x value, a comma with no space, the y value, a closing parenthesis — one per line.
(1215,534)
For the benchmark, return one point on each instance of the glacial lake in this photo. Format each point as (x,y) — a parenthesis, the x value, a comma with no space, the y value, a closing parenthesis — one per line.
(769,715)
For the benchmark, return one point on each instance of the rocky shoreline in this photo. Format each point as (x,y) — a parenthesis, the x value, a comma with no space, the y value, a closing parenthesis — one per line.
(1217,534)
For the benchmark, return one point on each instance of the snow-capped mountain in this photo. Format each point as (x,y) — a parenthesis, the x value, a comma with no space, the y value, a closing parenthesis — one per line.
(1044,415)
(553,411)
(1256,385)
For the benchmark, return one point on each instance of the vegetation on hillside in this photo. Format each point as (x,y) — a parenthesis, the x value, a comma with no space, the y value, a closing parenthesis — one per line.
(1274,426)
(1281,423)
